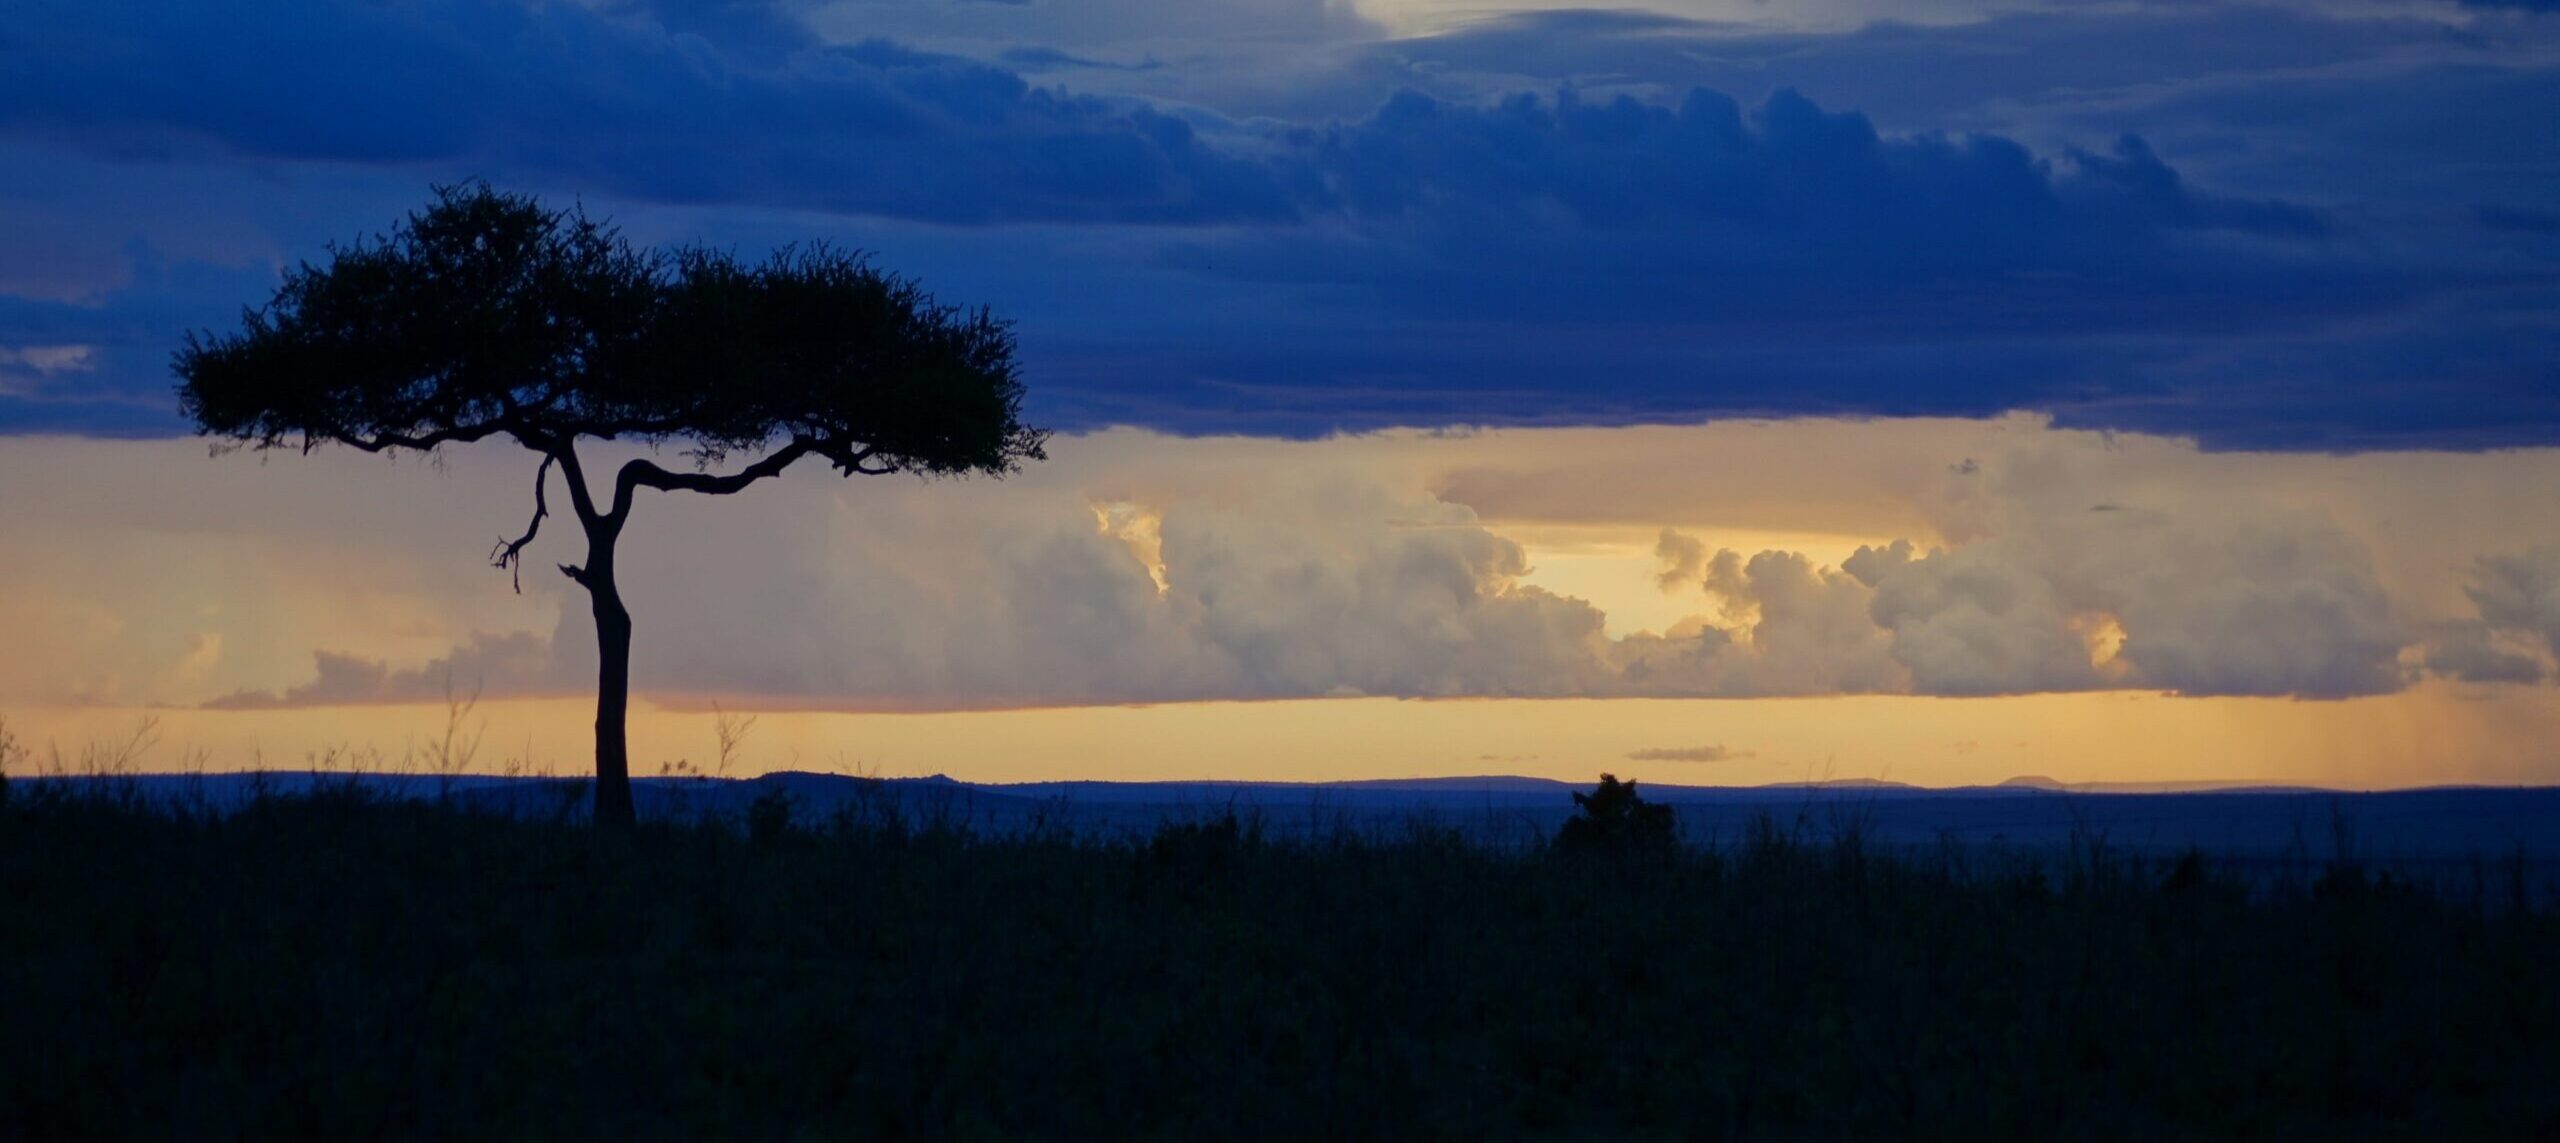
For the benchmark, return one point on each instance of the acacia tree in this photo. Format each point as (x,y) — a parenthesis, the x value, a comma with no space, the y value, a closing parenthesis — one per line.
(489,315)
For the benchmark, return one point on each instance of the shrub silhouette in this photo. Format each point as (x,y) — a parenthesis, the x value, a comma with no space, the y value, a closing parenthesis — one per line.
(769,817)
(2188,875)
(10,752)
(1202,846)
(1616,821)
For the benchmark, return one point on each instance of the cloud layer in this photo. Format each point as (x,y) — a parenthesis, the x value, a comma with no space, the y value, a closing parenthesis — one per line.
(1963,559)
(2260,226)
(2268,604)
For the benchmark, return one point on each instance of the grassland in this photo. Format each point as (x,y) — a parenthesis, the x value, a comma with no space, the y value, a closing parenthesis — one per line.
(341,965)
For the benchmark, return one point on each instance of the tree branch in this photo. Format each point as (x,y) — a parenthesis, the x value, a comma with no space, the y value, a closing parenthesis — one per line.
(603,429)
(509,554)
(642,473)
(583,501)
(385,442)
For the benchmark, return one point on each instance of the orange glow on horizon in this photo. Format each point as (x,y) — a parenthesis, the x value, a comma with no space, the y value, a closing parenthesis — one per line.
(2100,737)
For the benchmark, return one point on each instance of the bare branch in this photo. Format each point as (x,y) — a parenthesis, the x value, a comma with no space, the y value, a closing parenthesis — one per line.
(508,555)
(642,473)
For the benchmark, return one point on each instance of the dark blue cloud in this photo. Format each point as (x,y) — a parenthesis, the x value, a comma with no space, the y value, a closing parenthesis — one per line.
(630,100)
(2409,107)
(1036,58)
(120,389)
(1910,76)
(762,29)
(2259,227)
(2526,220)
(1789,174)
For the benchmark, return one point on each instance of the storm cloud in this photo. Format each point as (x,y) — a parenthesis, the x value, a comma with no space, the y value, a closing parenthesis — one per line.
(1277,217)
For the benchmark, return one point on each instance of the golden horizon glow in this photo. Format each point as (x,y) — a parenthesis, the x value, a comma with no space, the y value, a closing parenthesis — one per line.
(1146,607)
(2483,737)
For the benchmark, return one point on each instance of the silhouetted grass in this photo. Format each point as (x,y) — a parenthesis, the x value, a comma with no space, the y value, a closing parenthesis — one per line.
(340,966)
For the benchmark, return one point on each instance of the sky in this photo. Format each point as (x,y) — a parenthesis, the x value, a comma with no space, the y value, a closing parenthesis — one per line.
(1728,393)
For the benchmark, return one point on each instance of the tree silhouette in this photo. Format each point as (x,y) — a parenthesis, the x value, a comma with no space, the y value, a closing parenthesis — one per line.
(489,315)
(1615,821)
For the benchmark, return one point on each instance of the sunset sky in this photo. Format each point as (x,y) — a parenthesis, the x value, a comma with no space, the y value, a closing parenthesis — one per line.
(1723,393)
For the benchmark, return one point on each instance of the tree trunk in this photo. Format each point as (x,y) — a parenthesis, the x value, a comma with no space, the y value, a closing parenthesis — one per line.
(614,808)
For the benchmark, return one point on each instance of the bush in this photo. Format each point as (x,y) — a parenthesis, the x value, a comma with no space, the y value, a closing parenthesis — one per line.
(10,754)
(769,817)
(1616,822)
(1202,846)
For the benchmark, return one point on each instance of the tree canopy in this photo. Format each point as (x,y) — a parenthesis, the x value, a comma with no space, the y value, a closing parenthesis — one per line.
(489,314)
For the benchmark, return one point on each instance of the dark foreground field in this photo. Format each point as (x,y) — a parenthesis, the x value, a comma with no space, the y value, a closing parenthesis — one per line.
(342,966)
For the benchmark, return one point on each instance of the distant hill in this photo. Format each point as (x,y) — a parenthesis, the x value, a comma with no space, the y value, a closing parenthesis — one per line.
(2040,782)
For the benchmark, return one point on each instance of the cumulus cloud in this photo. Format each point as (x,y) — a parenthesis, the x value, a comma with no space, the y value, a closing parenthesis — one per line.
(1789,627)
(2042,593)
(2283,603)
(2517,634)
(1350,587)
(1972,621)
(2520,592)
(512,665)
(1809,631)
(1683,557)
(2475,653)
(1024,595)
(1168,577)
(2248,600)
